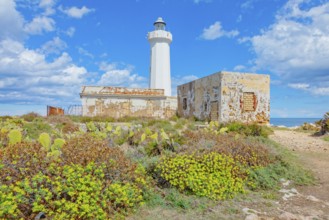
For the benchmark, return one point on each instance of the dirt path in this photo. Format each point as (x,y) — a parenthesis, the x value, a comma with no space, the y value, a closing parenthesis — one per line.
(307,202)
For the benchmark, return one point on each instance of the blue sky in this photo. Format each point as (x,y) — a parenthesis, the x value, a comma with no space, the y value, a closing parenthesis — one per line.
(50,48)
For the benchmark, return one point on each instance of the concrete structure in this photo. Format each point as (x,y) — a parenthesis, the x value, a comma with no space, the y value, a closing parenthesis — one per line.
(160,40)
(225,97)
(119,102)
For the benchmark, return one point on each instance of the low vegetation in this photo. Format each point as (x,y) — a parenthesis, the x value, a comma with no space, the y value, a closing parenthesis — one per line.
(99,168)
(324,123)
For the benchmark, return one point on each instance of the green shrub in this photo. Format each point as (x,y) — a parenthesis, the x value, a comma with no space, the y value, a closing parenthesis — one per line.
(309,127)
(59,119)
(269,177)
(85,149)
(88,180)
(285,165)
(31,116)
(245,150)
(71,192)
(35,128)
(211,175)
(22,160)
(324,123)
(249,129)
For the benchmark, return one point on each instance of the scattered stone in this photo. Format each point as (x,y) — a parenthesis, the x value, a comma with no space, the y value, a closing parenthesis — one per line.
(288,216)
(288,193)
(313,199)
(248,211)
(252,217)
(286,183)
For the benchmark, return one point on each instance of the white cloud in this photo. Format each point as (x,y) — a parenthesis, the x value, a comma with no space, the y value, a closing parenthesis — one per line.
(296,46)
(30,78)
(54,46)
(311,89)
(70,31)
(215,31)
(47,5)
(11,22)
(198,1)
(179,80)
(40,24)
(239,19)
(239,68)
(85,52)
(116,75)
(249,4)
(302,86)
(76,12)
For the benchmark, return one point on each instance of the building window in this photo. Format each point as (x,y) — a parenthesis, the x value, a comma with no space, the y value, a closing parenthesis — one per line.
(249,101)
(184,103)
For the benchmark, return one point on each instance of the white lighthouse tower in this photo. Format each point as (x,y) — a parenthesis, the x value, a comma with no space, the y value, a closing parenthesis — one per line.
(160,40)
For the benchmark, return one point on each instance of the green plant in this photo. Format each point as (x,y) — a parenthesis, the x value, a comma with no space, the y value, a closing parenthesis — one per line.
(87,180)
(15,136)
(45,141)
(91,127)
(245,150)
(284,166)
(212,175)
(30,116)
(55,149)
(22,160)
(248,129)
(36,127)
(70,192)
(324,123)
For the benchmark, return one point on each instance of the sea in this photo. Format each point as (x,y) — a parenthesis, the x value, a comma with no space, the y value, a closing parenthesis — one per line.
(292,122)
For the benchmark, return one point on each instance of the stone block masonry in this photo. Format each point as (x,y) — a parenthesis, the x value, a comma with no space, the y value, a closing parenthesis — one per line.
(120,102)
(225,97)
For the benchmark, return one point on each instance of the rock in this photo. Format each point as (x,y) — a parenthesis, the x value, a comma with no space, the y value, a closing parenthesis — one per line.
(312,198)
(288,193)
(248,211)
(288,216)
(252,217)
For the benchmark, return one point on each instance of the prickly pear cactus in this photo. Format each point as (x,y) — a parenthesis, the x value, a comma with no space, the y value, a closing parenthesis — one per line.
(15,136)
(58,144)
(44,140)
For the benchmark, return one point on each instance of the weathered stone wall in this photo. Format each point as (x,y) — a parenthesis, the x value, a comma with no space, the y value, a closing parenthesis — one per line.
(226,96)
(201,95)
(245,97)
(119,102)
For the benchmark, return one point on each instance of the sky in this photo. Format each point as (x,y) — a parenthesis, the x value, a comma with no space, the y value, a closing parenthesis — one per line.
(50,48)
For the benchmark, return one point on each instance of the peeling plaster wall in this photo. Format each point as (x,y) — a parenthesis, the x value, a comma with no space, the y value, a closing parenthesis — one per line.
(220,97)
(119,102)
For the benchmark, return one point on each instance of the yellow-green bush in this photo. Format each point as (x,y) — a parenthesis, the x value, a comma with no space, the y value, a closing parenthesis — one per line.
(71,192)
(88,180)
(212,174)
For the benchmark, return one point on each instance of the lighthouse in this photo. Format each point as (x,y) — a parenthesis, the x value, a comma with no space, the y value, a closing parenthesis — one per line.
(160,40)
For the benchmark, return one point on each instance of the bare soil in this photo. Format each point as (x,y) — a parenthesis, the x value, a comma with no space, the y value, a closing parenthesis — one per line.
(290,203)
(310,202)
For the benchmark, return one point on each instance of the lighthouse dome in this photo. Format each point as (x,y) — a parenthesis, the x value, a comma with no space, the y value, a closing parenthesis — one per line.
(159,21)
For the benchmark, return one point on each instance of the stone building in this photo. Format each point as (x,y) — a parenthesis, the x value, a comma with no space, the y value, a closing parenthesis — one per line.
(120,102)
(225,97)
